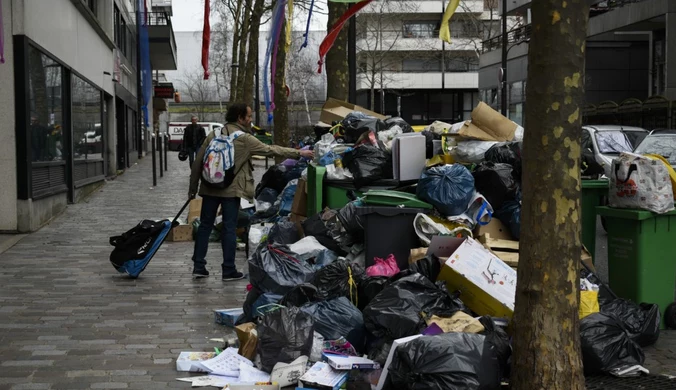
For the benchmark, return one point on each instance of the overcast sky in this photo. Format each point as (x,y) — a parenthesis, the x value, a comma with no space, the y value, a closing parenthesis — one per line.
(189,14)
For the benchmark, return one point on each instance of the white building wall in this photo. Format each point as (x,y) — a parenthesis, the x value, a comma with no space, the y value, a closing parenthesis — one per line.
(8,194)
(61,29)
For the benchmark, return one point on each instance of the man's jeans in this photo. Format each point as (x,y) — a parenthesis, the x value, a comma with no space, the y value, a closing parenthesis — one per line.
(191,155)
(230,209)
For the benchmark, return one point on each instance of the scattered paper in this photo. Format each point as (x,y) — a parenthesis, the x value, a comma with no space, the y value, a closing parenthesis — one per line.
(248,374)
(341,362)
(190,361)
(288,374)
(209,380)
(227,363)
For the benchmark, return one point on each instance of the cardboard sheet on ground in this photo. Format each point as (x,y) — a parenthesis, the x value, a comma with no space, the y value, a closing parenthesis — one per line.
(190,361)
(227,363)
(288,374)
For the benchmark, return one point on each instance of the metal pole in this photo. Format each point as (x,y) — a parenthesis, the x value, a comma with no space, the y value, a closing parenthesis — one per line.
(352,59)
(166,148)
(257,99)
(503,101)
(154,162)
(159,148)
(139,94)
(443,51)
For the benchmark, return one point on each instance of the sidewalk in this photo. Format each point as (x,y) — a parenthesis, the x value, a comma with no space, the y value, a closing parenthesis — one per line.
(69,321)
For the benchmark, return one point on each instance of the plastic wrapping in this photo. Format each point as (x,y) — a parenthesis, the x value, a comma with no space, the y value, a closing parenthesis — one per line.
(274,269)
(284,232)
(357,123)
(258,234)
(510,215)
(315,226)
(338,318)
(383,267)
(352,221)
(638,182)
(641,321)
(368,164)
(309,249)
(448,188)
(323,146)
(284,335)
(369,287)
(506,153)
(606,344)
(471,152)
(447,361)
(300,295)
(397,121)
(430,267)
(396,311)
(496,182)
(499,341)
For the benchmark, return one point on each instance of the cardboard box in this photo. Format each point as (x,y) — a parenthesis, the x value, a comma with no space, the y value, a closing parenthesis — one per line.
(194,210)
(495,228)
(337,110)
(180,233)
(488,125)
(487,285)
(299,206)
(342,362)
(322,376)
(227,317)
(248,340)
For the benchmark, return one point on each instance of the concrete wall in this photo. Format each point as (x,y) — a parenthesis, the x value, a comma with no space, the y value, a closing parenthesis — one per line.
(60,28)
(8,195)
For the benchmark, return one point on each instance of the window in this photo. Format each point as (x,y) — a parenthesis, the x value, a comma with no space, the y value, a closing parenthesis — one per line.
(92,5)
(46,107)
(86,121)
(120,32)
(416,65)
(462,29)
(420,29)
(462,63)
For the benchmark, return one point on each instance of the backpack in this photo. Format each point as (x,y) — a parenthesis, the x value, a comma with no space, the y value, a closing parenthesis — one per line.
(219,160)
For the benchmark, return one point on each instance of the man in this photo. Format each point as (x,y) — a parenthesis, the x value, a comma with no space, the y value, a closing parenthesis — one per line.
(193,137)
(246,145)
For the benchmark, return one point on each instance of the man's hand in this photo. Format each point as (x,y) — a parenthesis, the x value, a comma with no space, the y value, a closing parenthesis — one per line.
(307,154)
(191,195)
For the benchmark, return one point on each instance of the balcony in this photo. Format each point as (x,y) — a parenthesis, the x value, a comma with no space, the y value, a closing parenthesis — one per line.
(421,7)
(162,41)
(163,6)
(422,80)
(396,40)
(515,37)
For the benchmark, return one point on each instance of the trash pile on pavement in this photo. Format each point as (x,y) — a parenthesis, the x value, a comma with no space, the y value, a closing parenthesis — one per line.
(400,289)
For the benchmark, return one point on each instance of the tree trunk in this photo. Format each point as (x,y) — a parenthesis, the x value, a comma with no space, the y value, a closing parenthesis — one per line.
(235,45)
(249,87)
(244,33)
(545,323)
(336,59)
(281,113)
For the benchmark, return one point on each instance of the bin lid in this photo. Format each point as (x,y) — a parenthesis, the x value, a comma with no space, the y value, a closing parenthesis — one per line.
(394,198)
(592,184)
(390,211)
(632,214)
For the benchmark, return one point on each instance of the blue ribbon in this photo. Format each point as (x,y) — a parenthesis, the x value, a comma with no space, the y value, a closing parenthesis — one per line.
(307,28)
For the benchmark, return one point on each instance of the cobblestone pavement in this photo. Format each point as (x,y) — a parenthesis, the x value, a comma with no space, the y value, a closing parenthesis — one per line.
(69,321)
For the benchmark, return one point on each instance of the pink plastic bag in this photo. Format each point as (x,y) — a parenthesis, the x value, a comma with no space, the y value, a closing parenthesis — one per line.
(382,267)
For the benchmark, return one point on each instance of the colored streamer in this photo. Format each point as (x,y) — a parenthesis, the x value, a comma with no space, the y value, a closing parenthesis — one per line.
(330,38)
(278,15)
(307,27)
(146,71)
(444,31)
(2,38)
(206,39)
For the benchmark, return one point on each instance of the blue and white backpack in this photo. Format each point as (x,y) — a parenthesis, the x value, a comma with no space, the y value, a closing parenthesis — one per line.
(219,160)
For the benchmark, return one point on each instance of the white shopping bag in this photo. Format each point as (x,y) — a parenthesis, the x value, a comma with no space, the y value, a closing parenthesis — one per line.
(638,182)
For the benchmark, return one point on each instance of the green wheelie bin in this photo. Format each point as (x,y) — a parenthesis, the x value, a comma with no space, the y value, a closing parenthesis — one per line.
(642,257)
(593,193)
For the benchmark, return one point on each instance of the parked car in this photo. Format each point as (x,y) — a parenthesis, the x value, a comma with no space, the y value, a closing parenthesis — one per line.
(176,132)
(661,142)
(606,142)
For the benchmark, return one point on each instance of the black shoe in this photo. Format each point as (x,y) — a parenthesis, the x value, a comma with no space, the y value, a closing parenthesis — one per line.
(233,276)
(199,274)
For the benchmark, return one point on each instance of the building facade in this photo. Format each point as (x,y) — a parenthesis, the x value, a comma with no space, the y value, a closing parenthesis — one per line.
(59,89)
(405,70)
(630,50)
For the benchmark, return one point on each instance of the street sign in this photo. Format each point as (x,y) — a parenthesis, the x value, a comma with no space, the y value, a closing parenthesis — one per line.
(164,91)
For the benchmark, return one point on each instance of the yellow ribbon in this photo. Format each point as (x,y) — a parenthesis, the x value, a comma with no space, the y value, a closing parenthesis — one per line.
(444,31)
(354,298)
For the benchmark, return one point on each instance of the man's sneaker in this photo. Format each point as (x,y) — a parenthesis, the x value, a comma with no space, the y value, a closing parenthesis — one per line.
(233,276)
(199,274)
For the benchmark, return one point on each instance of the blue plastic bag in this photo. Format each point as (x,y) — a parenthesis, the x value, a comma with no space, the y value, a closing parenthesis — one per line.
(510,215)
(286,198)
(448,188)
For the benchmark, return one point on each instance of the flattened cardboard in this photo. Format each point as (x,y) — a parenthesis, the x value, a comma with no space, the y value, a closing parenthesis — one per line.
(195,210)
(299,205)
(495,228)
(337,110)
(493,123)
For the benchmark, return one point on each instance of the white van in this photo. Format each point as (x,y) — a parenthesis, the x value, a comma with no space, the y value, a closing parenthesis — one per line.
(176,132)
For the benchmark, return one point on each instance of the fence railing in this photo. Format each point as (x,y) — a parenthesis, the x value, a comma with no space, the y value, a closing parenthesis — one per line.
(656,112)
(514,37)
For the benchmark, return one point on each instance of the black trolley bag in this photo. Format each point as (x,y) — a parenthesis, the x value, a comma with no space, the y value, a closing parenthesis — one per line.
(135,248)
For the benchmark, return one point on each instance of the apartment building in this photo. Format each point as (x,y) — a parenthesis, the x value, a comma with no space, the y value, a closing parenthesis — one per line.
(404,69)
(630,50)
(68,64)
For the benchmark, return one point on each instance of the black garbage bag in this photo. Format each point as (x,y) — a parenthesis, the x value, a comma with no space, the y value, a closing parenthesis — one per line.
(284,232)
(590,167)
(351,221)
(641,321)
(498,339)
(459,361)
(449,188)
(300,295)
(356,123)
(256,299)
(369,287)
(274,178)
(496,182)
(430,137)
(379,350)
(267,195)
(338,318)
(274,269)
(405,127)
(284,335)
(339,279)
(510,215)
(606,344)
(327,229)
(430,267)
(396,311)
(368,164)
(505,153)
